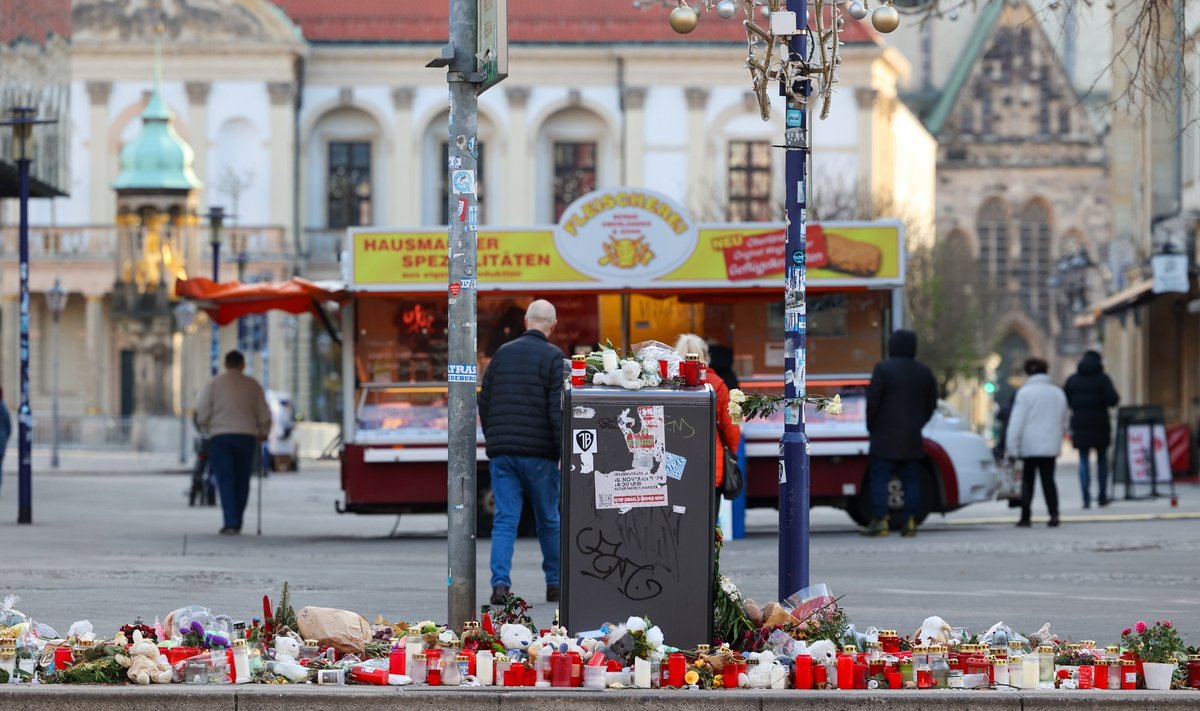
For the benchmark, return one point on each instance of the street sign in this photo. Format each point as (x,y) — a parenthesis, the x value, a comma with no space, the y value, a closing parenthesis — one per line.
(493,42)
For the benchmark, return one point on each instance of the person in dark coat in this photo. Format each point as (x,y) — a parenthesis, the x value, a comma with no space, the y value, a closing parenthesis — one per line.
(521,412)
(1090,393)
(5,432)
(901,398)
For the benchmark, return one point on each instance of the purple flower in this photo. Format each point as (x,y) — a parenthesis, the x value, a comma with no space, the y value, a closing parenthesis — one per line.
(1140,627)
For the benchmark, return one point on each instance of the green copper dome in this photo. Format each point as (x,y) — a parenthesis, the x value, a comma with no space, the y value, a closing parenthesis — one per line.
(157,158)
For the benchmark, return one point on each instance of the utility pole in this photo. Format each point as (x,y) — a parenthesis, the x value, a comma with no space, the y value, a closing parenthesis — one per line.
(793,447)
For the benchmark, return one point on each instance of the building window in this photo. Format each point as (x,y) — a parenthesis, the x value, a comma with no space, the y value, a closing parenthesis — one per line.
(444,187)
(749,181)
(1035,260)
(992,229)
(348,188)
(574,173)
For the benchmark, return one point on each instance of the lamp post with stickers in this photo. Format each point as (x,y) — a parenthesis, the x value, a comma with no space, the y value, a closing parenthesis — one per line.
(475,59)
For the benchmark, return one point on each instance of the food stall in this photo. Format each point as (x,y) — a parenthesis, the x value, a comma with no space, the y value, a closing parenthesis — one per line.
(624,265)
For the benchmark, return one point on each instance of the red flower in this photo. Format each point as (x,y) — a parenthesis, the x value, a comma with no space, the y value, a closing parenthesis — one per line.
(1166,623)
(1140,627)
(1125,631)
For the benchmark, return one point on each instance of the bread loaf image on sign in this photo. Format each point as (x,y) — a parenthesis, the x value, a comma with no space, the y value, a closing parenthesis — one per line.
(847,255)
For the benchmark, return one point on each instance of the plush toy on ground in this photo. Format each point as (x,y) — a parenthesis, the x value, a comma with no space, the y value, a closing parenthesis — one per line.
(143,662)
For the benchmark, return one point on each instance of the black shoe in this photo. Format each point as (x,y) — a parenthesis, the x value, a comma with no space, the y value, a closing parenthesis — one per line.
(499,593)
(1105,501)
(230,531)
(1086,506)
(552,593)
(1053,522)
(1023,524)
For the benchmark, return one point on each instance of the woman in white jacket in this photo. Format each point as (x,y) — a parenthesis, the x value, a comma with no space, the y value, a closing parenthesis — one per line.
(1036,429)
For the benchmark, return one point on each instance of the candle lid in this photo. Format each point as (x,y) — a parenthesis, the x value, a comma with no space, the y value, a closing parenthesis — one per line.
(1074,646)
(849,649)
(997,661)
(1045,649)
(887,633)
(1112,649)
(311,643)
(874,645)
(574,358)
(1101,662)
(239,643)
(702,648)
(1015,659)
(1194,657)
(751,661)
(692,356)
(1127,662)
(419,655)
(462,658)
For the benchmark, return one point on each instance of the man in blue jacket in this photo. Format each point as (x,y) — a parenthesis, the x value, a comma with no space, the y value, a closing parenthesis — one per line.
(901,398)
(521,413)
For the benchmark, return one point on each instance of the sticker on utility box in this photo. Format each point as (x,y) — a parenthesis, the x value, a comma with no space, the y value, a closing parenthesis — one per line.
(456,373)
(633,488)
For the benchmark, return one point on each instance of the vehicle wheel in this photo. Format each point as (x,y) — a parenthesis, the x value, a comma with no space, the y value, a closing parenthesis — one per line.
(859,507)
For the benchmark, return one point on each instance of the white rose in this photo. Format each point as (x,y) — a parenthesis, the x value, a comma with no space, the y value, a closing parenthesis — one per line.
(654,637)
(835,405)
(737,396)
(635,624)
(735,413)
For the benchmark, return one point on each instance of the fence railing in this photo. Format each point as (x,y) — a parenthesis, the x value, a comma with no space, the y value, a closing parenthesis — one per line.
(99,242)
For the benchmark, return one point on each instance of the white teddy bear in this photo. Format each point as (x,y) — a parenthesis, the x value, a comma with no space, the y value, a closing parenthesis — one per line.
(144,663)
(627,375)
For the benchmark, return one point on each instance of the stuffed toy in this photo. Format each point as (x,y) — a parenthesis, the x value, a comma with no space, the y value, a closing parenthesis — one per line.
(287,649)
(143,662)
(628,375)
(515,637)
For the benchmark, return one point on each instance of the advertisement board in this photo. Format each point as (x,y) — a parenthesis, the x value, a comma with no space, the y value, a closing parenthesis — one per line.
(629,238)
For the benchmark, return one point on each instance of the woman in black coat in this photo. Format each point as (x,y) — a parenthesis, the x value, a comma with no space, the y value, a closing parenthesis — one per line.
(1090,393)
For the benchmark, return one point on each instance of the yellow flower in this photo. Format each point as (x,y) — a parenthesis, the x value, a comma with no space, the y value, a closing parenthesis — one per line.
(736,395)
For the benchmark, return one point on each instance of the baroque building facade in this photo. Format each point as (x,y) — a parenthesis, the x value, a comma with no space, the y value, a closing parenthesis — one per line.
(307,119)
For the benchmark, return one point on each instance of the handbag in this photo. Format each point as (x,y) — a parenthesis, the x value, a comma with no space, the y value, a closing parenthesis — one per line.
(734,482)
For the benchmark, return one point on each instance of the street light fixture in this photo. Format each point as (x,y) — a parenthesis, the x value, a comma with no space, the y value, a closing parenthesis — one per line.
(22,121)
(56,301)
(216,220)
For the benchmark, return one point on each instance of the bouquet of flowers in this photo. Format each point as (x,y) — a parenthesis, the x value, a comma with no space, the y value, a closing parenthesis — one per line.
(634,371)
(747,406)
(1159,643)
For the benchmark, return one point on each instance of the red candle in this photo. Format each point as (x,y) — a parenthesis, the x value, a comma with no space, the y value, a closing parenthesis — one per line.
(890,641)
(397,664)
(576,662)
(1086,672)
(1100,676)
(560,670)
(820,675)
(894,680)
(845,671)
(860,675)
(1193,667)
(689,370)
(513,676)
(662,369)
(677,664)
(433,677)
(804,672)
(578,371)
(1128,675)
(63,658)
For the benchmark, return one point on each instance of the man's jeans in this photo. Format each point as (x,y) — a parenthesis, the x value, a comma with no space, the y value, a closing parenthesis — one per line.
(540,479)
(231,457)
(1101,473)
(909,471)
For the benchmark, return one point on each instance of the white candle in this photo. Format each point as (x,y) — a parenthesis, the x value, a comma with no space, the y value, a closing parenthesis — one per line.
(484,669)
(641,672)
(413,645)
(1029,672)
(609,357)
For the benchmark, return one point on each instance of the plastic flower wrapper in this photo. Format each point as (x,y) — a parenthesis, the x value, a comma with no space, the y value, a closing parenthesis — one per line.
(10,616)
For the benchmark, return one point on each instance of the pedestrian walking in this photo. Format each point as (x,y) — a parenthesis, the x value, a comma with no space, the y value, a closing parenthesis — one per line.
(233,412)
(1090,393)
(729,433)
(1035,435)
(521,412)
(5,433)
(901,398)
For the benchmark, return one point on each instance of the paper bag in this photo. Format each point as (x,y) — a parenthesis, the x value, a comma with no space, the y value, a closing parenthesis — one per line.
(346,631)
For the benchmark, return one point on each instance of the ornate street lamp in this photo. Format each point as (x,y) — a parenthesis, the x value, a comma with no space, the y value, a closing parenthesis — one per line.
(56,301)
(216,219)
(22,123)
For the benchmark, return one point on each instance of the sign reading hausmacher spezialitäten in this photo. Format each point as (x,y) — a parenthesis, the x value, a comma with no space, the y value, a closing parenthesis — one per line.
(629,239)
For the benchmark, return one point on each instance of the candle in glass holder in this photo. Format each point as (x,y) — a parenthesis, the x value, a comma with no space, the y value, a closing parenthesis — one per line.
(689,370)
(578,370)
(804,672)
(890,641)
(1128,674)
(1193,667)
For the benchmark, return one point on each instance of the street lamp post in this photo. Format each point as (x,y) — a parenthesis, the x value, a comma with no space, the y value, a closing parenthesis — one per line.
(22,122)
(216,218)
(185,313)
(56,301)
(243,331)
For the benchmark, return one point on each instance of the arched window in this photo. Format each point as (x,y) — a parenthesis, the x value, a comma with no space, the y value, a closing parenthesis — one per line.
(572,144)
(991,225)
(1035,266)
(344,172)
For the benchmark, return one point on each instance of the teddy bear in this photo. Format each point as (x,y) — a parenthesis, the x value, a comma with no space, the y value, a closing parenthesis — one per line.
(143,662)
(287,649)
(515,638)
(627,375)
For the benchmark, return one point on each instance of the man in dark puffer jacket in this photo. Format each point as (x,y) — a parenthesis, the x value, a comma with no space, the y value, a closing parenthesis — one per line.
(521,413)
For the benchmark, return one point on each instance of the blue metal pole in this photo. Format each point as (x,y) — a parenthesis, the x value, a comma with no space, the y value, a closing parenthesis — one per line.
(215,349)
(25,413)
(793,448)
